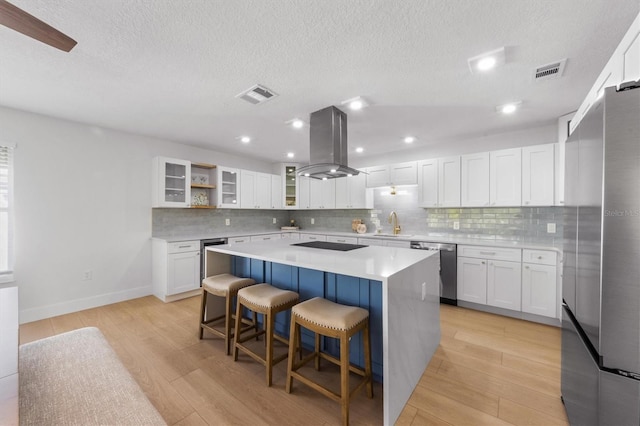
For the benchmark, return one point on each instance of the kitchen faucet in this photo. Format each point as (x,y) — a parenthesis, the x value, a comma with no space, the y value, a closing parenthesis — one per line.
(396,226)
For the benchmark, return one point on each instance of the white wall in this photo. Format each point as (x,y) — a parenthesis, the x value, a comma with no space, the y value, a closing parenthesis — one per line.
(83,202)
(534,136)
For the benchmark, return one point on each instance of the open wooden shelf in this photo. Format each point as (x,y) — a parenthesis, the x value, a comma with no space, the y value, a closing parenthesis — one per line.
(203,165)
(203,207)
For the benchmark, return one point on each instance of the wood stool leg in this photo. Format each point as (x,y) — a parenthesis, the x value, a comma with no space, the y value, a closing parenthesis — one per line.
(294,333)
(227,323)
(238,325)
(317,350)
(269,323)
(344,378)
(367,359)
(299,337)
(203,309)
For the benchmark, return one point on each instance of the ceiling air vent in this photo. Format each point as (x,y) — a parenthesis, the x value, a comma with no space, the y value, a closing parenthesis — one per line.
(257,94)
(549,71)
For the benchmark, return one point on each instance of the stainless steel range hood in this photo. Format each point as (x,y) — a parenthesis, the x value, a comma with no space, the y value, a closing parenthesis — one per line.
(328,139)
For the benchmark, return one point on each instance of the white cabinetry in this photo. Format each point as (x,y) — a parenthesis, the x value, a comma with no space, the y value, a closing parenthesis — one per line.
(238,240)
(428,183)
(505,177)
(313,237)
(343,240)
(394,174)
(539,283)
(175,267)
(171,185)
(475,180)
(322,194)
(351,193)
(504,284)
(228,187)
(255,190)
(537,175)
(449,182)
(489,275)
(266,237)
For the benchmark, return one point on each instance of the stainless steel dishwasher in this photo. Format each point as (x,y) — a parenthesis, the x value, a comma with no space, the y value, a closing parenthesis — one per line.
(203,255)
(448,269)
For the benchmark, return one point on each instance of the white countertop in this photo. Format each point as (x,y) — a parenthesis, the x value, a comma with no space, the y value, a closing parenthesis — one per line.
(439,238)
(373,262)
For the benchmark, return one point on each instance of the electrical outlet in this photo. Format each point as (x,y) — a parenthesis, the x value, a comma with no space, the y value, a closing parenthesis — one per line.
(313,221)
(456,225)
(551,228)
(274,220)
(87,275)
(424,291)
(227,222)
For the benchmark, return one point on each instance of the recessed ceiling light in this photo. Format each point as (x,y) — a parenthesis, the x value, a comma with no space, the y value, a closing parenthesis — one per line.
(409,139)
(324,178)
(487,61)
(290,154)
(349,175)
(296,123)
(356,103)
(359,149)
(306,175)
(245,139)
(333,170)
(509,108)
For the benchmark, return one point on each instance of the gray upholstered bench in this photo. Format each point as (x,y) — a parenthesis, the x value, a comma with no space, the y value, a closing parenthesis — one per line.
(76,378)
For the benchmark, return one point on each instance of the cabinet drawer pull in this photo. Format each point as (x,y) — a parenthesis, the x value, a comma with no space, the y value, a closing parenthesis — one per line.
(187,246)
(340,241)
(489,253)
(239,241)
(526,267)
(483,262)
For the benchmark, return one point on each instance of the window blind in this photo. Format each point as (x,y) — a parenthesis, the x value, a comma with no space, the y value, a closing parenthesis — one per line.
(6,214)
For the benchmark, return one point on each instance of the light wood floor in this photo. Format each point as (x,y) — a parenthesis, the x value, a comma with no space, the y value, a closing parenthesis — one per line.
(488,370)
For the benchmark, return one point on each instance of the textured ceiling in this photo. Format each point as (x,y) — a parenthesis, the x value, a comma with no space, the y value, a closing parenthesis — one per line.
(171,69)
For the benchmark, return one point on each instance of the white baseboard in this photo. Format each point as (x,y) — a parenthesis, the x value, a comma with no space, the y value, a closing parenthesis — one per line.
(48,311)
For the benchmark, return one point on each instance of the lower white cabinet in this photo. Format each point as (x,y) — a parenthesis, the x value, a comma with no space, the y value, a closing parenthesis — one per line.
(472,280)
(175,267)
(504,284)
(539,283)
(313,237)
(266,237)
(518,280)
(384,242)
(343,240)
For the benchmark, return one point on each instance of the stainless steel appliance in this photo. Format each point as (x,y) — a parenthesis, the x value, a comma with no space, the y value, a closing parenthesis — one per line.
(448,269)
(203,245)
(601,274)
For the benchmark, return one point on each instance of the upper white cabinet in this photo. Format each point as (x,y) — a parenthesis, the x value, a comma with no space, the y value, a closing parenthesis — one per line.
(304,194)
(439,182)
(428,183)
(322,194)
(290,187)
(351,193)
(537,175)
(255,190)
(449,182)
(475,180)
(276,192)
(171,185)
(505,177)
(393,174)
(228,187)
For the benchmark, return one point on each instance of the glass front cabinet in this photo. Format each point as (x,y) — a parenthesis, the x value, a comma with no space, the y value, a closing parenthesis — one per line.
(289,180)
(228,187)
(171,182)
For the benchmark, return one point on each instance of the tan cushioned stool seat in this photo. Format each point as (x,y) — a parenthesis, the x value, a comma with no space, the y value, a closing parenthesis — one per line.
(328,314)
(221,285)
(267,296)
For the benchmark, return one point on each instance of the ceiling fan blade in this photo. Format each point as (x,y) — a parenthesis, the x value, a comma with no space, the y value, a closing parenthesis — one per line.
(19,20)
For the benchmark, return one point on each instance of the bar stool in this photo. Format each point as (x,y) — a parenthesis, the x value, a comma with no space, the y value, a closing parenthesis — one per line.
(266,300)
(227,286)
(327,318)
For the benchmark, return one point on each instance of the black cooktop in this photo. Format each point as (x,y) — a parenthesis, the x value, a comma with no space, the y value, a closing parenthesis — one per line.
(330,246)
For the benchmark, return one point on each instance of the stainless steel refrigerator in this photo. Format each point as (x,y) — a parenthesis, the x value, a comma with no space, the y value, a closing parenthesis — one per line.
(601,269)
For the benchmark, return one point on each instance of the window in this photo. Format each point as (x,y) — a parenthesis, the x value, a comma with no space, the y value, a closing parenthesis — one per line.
(6,214)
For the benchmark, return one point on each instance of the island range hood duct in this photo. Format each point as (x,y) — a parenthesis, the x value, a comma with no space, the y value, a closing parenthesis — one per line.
(328,146)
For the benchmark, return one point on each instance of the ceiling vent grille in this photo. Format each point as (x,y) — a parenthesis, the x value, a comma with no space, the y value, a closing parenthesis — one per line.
(549,71)
(257,94)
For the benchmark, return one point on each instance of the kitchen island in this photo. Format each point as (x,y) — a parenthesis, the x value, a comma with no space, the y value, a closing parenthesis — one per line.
(399,287)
